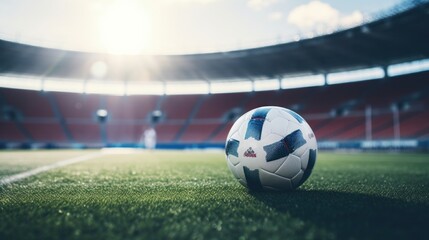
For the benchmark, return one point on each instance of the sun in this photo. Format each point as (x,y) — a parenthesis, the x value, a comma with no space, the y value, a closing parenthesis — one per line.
(125,29)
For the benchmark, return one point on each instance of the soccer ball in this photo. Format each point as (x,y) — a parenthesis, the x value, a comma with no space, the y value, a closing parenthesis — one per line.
(271,148)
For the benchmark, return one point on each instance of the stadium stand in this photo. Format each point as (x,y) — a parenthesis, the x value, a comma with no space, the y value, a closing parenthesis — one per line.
(337,97)
(124,133)
(221,133)
(205,119)
(46,132)
(388,107)
(337,126)
(382,126)
(217,105)
(394,90)
(166,132)
(198,132)
(86,133)
(259,99)
(77,106)
(179,107)
(9,132)
(28,103)
(356,132)
(416,125)
(130,107)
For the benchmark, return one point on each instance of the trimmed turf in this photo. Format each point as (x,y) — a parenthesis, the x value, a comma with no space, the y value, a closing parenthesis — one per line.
(12,162)
(192,195)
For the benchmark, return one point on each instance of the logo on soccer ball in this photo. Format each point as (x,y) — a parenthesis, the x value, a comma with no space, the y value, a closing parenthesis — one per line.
(250,153)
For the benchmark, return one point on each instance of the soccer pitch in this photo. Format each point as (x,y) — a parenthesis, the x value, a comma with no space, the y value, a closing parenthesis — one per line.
(192,195)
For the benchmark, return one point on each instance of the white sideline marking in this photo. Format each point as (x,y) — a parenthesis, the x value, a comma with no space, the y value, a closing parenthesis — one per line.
(62,163)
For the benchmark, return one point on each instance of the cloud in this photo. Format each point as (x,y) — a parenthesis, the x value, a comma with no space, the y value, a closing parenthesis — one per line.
(276,16)
(260,4)
(320,16)
(190,1)
(353,19)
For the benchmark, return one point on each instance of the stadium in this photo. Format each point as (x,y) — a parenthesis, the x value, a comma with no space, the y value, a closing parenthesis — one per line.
(75,164)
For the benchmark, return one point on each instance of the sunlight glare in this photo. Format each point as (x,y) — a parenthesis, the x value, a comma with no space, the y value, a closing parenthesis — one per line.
(125,29)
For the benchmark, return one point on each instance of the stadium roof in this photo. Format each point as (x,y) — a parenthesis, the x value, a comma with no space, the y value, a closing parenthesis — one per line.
(394,39)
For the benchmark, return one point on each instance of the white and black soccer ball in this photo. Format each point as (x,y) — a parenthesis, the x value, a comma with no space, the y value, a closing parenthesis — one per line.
(271,148)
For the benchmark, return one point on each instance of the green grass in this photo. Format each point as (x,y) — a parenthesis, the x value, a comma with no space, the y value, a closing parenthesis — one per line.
(12,162)
(192,195)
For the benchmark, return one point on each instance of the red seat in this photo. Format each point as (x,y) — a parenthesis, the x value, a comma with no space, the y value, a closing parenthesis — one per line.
(29,103)
(130,107)
(46,132)
(125,133)
(85,132)
(179,107)
(198,132)
(10,133)
(77,106)
(167,132)
(221,136)
(216,105)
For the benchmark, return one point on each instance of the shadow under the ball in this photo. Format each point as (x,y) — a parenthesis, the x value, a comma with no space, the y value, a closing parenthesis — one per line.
(352,215)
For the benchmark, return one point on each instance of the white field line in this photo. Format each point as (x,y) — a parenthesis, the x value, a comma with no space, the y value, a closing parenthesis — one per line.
(62,163)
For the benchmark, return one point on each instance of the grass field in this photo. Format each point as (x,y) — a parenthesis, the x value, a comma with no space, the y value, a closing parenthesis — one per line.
(192,195)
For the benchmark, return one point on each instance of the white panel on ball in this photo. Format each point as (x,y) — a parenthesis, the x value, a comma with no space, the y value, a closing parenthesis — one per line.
(290,167)
(297,179)
(275,181)
(304,159)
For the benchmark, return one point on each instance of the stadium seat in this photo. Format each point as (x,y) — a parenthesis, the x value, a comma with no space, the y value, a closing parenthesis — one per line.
(179,107)
(130,107)
(125,132)
(31,104)
(220,137)
(415,126)
(198,132)
(166,132)
(382,127)
(215,106)
(78,106)
(337,126)
(85,132)
(10,133)
(46,132)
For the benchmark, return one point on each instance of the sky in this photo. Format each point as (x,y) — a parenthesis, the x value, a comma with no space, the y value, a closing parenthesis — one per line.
(175,26)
